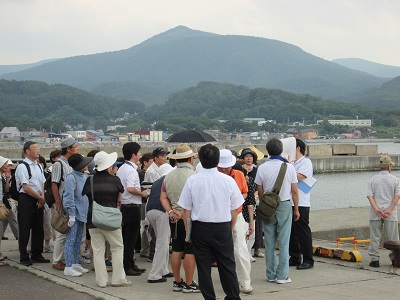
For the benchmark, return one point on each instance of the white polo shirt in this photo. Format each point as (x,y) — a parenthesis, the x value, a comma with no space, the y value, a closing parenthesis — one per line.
(267,174)
(305,168)
(129,178)
(211,196)
(152,173)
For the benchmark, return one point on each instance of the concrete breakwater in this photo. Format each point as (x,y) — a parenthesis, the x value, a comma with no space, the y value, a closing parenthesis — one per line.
(326,158)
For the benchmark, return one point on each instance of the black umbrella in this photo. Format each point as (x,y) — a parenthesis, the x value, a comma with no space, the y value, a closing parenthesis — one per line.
(190,136)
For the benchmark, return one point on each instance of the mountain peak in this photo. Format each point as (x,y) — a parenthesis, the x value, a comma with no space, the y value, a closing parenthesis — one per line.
(176,33)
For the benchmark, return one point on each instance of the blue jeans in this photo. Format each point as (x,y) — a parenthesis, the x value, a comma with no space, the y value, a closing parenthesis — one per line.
(73,243)
(278,231)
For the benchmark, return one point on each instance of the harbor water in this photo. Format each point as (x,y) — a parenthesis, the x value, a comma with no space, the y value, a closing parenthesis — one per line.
(342,190)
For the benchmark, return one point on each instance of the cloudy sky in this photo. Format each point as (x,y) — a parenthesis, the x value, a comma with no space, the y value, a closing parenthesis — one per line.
(34,30)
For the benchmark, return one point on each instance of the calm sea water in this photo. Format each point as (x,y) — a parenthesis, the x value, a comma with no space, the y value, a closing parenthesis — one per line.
(341,190)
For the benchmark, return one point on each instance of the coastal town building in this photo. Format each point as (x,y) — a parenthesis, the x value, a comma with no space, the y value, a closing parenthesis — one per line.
(11,134)
(352,123)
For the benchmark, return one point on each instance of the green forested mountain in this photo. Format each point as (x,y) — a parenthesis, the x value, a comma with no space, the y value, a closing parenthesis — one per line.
(33,103)
(210,100)
(388,95)
(369,67)
(181,57)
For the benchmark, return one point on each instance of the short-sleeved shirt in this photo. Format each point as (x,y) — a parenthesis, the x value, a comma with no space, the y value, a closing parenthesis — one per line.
(267,174)
(106,189)
(56,173)
(174,182)
(35,182)
(152,173)
(211,196)
(240,180)
(305,168)
(129,178)
(383,188)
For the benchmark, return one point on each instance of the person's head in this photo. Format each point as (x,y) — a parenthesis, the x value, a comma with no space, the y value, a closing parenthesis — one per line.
(301,146)
(68,147)
(78,162)
(131,151)
(3,165)
(55,155)
(183,154)
(92,153)
(226,161)
(209,156)
(248,156)
(31,150)
(385,162)
(118,163)
(274,147)
(160,156)
(104,161)
(42,161)
(146,160)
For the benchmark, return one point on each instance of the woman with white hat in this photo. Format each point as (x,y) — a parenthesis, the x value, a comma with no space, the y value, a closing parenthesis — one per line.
(107,190)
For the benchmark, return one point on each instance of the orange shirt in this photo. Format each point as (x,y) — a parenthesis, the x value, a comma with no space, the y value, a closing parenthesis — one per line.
(238,176)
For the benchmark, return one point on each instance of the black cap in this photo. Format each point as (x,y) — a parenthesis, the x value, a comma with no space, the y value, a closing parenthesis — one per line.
(159,151)
(78,162)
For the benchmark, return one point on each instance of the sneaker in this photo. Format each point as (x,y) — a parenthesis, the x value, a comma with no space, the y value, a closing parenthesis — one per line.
(374,264)
(126,283)
(79,268)
(84,260)
(246,289)
(258,253)
(192,288)
(48,249)
(283,281)
(178,286)
(59,266)
(252,259)
(71,272)
(271,280)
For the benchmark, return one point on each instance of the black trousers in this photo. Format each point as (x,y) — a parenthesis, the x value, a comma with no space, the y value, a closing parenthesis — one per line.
(301,237)
(30,218)
(215,239)
(130,231)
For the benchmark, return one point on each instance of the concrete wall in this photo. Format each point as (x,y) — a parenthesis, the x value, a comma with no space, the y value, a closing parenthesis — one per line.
(319,150)
(366,149)
(343,149)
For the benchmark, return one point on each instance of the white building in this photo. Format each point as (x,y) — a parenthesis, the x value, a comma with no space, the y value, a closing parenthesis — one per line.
(352,123)
(77,134)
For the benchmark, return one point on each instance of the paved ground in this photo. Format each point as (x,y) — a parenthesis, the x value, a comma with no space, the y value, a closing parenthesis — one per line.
(330,278)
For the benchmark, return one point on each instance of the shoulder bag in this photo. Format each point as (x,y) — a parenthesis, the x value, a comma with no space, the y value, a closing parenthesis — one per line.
(270,201)
(59,221)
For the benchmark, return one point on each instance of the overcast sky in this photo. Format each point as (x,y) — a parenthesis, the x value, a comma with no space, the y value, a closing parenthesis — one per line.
(34,30)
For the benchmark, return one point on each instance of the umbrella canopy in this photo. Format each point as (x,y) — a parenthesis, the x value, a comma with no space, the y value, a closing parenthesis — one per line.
(190,136)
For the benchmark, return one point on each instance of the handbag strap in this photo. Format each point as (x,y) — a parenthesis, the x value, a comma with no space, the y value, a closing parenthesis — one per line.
(279,181)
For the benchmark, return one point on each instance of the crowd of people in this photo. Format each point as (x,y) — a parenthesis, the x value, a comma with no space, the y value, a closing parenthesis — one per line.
(176,212)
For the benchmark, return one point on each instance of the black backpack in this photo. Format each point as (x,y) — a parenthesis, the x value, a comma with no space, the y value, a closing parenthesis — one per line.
(48,193)
(14,190)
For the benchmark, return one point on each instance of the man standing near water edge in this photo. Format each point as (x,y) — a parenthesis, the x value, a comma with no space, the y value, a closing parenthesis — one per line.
(211,199)
(300,237)
(383,195)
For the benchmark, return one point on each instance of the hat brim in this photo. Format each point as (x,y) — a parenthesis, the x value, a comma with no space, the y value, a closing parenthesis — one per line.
(228,164)
(182,156)
(85,161)
(111,159)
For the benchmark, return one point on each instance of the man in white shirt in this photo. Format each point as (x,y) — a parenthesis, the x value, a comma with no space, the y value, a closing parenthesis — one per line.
(130,205)
(159,158)
(278,230)
(211,200)
(383,196)
(300,236)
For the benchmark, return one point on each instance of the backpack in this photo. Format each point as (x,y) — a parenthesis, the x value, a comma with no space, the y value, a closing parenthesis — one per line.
(48,193)
(270,201)
(14,191)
